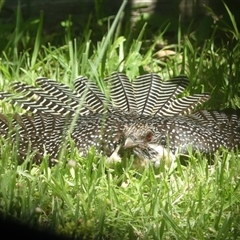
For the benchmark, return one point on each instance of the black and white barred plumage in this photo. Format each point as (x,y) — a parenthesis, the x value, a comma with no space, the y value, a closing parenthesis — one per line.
(145,116)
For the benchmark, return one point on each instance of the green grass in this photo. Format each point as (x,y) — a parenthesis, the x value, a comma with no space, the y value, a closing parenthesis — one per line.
(87,198)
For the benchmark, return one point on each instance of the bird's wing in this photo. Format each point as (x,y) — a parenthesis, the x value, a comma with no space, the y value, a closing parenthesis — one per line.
(222,117)
(88,91)
(64,94)
(38,134)
(225,122)
(52,98)
(209,117)
(25,103)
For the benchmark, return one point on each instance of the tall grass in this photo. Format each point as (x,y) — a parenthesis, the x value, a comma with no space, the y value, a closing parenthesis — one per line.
(86,197)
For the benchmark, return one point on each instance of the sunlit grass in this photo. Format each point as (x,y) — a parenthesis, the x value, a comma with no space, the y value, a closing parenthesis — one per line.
(84,197)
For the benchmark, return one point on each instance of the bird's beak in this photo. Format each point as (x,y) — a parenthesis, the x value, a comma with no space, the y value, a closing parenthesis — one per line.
(130,143)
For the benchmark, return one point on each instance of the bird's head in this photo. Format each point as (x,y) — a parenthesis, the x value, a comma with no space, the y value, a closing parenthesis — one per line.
(138,135)
(148,144)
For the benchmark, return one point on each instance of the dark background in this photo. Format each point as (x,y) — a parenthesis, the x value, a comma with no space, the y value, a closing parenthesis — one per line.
(197,13)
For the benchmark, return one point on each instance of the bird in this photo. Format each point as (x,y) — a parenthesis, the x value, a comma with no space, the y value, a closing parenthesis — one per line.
(148,119)
(155,139)
(174,127)
(149,95)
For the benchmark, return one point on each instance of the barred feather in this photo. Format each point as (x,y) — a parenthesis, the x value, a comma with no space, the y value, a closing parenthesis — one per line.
(64,94)
(93,96)
(41,99)
(147,90)
(54,98)
(225,119)
(184,105)
(225,123)
(121,92)
(4,125)
(25,104)
(149,105)
(168,92)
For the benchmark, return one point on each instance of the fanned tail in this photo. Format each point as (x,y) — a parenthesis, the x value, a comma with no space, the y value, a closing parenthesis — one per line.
(147,91)
(168,92)
(184,105)
(121,92)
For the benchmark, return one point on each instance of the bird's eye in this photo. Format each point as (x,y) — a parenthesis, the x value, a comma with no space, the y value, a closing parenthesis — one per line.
(149,136)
